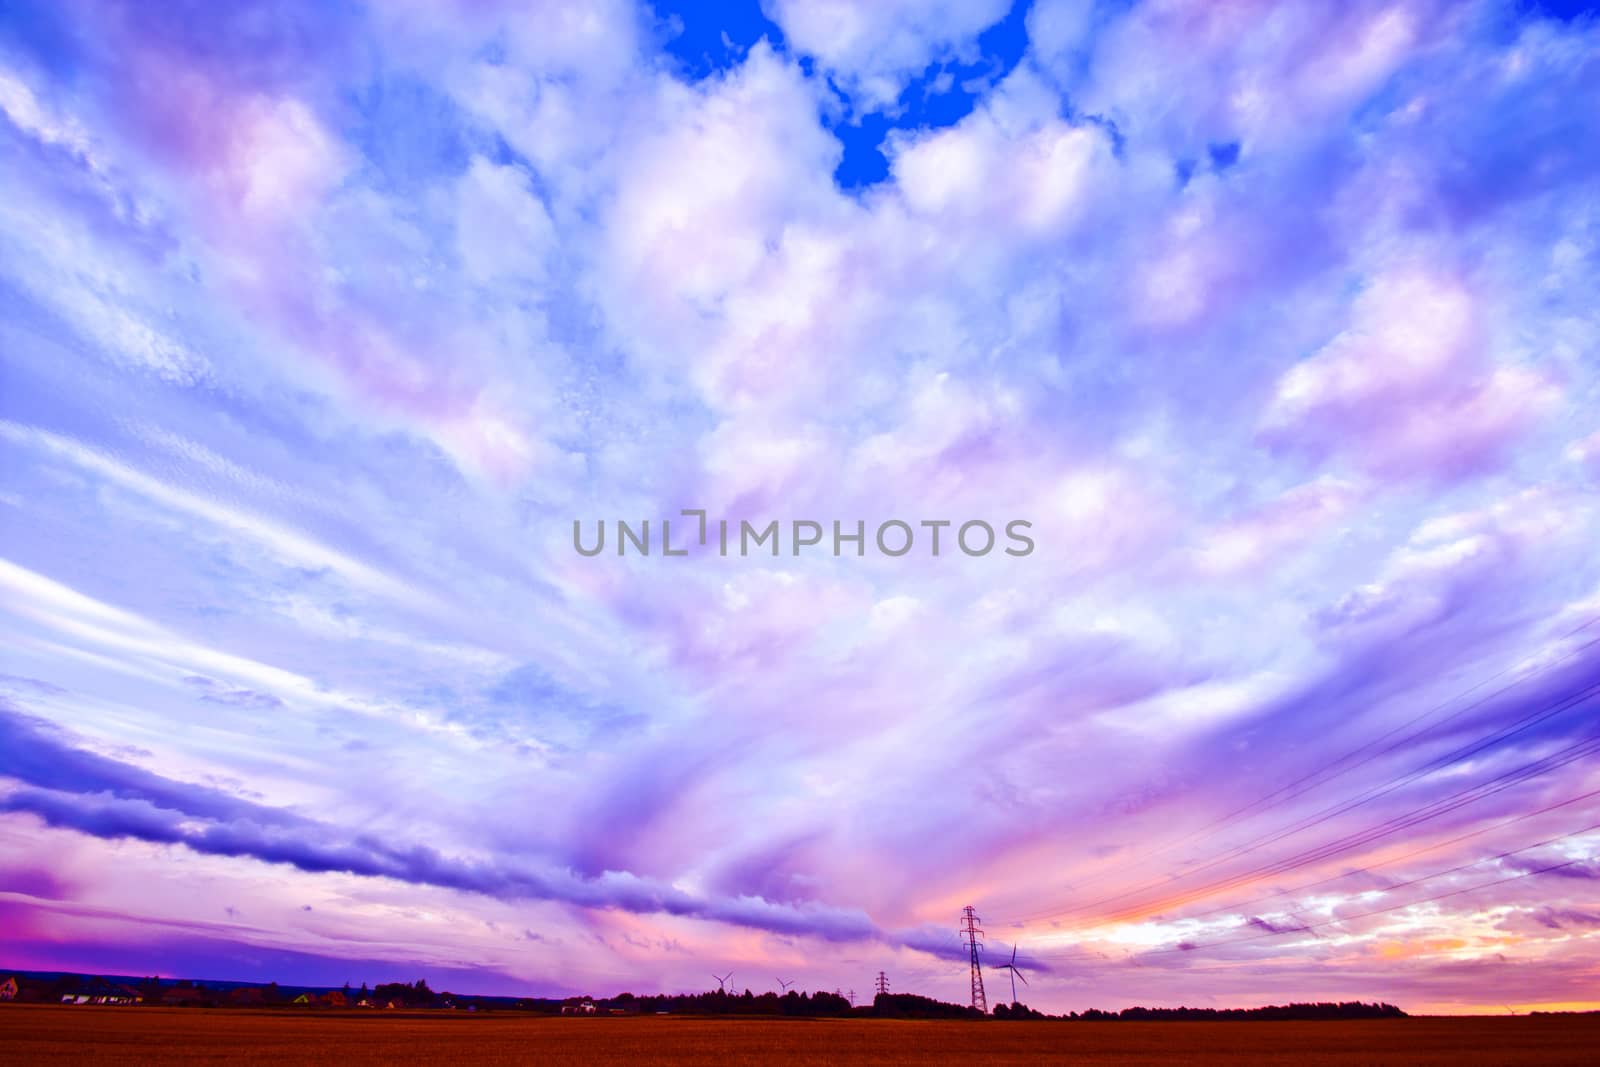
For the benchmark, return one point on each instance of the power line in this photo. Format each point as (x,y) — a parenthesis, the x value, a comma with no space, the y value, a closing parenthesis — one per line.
(1387,828)
(1405,725)
(1306,823)
(1391,861)
(1351,761)
(1438,763)
(1306,927)
(1292,787)
(1340,808)
(1489,859)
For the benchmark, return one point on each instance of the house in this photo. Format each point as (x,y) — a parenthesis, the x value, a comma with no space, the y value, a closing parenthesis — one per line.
(8,989)
(582,1007)
(303,998)
(99,991)
(333,998)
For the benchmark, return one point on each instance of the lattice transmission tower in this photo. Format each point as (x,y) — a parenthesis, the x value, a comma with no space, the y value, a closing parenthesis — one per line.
(972,934)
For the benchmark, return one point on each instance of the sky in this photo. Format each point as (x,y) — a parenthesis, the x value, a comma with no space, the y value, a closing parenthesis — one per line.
(322,324)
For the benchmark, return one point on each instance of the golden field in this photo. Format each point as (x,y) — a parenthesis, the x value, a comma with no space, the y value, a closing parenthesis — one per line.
(61,1034)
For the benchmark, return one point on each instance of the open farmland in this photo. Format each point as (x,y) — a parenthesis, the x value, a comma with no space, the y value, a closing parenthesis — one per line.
(56,1034)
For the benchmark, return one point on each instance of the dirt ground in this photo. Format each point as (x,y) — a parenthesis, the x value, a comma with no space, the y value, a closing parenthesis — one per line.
(62,1034)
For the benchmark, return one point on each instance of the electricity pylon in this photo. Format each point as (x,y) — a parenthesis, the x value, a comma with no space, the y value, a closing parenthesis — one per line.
(972,934)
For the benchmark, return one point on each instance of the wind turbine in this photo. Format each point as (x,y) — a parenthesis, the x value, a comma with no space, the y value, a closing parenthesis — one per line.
(722,981)
(1015,973)
(783,985)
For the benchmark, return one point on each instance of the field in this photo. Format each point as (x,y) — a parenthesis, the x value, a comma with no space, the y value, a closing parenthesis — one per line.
(58,1034)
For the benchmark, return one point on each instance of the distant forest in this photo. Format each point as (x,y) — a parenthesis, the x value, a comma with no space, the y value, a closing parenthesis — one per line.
(56,987)
(1351,1009)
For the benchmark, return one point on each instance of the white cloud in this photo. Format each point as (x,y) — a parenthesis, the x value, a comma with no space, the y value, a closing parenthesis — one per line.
(282,542)
(502,229)
(875,48)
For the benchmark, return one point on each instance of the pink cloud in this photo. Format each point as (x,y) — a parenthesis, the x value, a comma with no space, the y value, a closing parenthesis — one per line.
(1409,388)
(1276,527)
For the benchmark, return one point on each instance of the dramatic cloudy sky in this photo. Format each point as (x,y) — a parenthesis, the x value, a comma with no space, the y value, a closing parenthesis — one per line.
(321,323)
